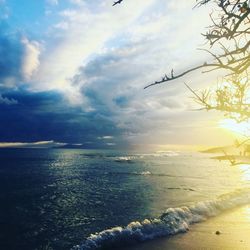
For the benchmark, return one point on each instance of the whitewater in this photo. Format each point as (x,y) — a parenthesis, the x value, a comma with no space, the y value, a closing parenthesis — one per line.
(171,222)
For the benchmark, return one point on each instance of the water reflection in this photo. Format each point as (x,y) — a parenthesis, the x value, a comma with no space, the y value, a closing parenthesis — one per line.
(83,197)
(245,168)
(247,213)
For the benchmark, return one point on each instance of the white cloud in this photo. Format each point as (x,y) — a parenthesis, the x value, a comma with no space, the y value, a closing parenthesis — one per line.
(88,30)
(77,2)
(62,26)
(52,2)
(30,64)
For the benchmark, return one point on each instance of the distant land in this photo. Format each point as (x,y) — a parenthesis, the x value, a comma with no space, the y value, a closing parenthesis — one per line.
(215,150)
(235,155)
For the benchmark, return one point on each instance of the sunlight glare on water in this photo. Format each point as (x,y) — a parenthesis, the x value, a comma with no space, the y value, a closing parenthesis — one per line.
(245,168)
(247,213)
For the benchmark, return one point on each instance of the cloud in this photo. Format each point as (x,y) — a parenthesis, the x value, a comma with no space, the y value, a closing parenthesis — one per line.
(154,29)
(53,2)
(30,61)
(62,26)
(86,35)
(4,10)
(92,27)
(11,52)
(40,144)
(45,116)
(7,101)
(112,85)
(19,57)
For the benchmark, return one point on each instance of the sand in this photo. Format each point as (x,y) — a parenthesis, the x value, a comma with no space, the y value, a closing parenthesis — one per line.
(233,233)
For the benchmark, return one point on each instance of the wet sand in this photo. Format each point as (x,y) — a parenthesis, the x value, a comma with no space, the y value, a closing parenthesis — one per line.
(233,233)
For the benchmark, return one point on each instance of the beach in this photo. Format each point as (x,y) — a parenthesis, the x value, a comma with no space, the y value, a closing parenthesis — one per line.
(234,234)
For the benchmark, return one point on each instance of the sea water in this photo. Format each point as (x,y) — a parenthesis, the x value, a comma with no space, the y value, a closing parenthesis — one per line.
(89,199)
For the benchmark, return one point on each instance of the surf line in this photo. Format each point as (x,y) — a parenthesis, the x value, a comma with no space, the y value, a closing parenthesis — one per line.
(171,222)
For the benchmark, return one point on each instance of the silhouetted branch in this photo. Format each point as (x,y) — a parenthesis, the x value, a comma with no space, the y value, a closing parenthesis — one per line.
(230,98)
(167,78)
(231,25)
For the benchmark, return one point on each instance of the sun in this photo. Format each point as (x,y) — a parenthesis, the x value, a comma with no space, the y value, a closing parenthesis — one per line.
(240,129)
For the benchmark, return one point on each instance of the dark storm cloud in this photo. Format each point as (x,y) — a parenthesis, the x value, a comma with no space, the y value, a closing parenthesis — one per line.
(46,116)
(11,54)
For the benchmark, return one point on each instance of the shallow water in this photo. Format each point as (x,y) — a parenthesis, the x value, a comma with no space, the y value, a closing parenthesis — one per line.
(57,197)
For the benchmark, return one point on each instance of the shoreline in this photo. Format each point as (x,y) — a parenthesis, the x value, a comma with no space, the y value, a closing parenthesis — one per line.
(233,233)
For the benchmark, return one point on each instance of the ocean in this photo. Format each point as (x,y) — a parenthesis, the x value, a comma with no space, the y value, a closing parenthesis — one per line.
(94,199)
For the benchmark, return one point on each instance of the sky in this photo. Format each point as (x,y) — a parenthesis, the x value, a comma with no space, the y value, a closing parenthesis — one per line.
(73,71)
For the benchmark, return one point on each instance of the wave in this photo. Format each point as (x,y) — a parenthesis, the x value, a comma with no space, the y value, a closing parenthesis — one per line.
(145,173)
(122,159)
(168,153)
(131,158)
(171,222)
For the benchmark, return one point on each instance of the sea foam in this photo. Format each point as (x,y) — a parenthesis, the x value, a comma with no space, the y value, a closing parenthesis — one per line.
(171,222)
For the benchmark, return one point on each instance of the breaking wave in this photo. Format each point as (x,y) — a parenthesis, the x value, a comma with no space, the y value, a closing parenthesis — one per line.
(171,222)
(145,173)
(131,158)
(128,159)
